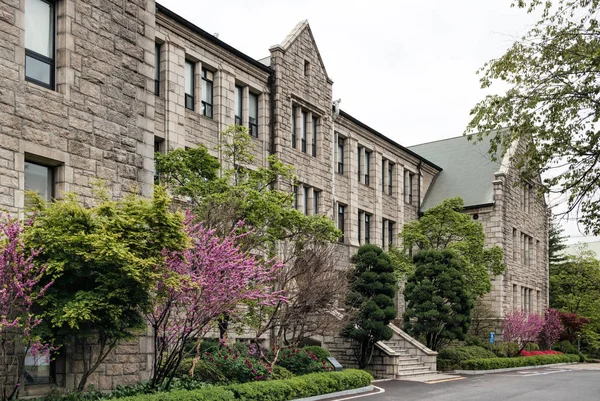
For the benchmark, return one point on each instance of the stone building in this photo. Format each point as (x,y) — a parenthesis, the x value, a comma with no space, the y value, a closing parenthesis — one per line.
(93,89)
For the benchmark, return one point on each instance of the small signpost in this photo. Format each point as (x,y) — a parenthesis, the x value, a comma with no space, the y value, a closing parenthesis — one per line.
(336,365)
(492,337)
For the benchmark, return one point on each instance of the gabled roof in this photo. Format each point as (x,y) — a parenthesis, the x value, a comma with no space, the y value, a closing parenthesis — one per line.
(468,171)
(294,34)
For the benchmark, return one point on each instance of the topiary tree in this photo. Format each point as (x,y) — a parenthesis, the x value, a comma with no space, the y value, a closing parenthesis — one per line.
(371,300)
(439,305)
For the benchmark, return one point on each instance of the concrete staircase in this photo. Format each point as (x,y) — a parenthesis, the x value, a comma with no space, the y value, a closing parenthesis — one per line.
(408,364)
(403,357)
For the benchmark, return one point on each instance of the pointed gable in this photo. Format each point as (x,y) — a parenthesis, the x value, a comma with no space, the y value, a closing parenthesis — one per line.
(303,27)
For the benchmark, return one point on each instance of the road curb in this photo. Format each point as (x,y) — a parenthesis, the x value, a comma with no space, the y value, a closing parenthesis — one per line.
(337,394)
(483,372)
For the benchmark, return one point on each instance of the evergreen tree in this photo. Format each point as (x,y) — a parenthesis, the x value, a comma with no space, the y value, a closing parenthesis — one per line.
(371,298)
(556,244)
(439,305)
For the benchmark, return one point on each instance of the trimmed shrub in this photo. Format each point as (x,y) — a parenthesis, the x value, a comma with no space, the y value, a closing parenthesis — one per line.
(536,353)
(204,371)
(506,349)
(565,347)
(281,373)
(450,358)
(532,347)
(298,387)
(501,363)
(301,361)
(204,394)
(317,351)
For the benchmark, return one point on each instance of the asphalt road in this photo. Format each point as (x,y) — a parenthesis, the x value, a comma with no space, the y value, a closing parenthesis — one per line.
(565,383)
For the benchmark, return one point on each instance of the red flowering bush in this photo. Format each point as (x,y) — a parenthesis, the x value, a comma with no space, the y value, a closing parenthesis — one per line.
(237,365)
(301,361)
(536,353)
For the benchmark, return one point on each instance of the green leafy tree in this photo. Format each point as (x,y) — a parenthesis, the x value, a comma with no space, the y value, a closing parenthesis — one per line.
(552,103)
(575,288)
(104,261)
(238,190)
(439,305)
(371,301)
(447,227)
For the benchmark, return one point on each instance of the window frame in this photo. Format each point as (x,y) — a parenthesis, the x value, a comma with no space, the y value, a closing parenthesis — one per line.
(341,214)
(367,167)
(316,198)
(206,106)
(253,126)
(341,143)
(294,126)
(391,234)
(304,135)
(190,98)
(367,228)
(390,178)
(157,60)
(50,61)
(50,179)
(306,199)
(315,127)
(239,106)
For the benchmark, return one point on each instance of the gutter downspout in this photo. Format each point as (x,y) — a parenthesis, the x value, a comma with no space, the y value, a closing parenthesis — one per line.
(271,83)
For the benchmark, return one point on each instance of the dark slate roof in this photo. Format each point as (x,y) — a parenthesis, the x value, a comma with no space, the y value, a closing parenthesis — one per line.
(468,171)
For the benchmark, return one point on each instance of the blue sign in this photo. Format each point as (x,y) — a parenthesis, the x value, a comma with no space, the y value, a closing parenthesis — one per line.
(492,337)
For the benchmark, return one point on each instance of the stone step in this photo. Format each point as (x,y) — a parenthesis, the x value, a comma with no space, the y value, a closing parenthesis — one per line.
(410,363)
(422,370)
(407,358)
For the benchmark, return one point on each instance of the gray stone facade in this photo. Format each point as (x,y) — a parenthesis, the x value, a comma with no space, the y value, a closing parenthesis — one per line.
(104,119)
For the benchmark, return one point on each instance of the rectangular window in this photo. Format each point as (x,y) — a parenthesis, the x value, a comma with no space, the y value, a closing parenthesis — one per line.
(360,223)
(189,84)
(515,255)
(294,126)
(391,234)
(239,95)
(157,69)
(296,197)
(538,301)
(37,367)
(306,201)
(253,115)
(39,42)
(157,149)
(316,197)
(207,93)
(341,220)
(367,228)
(315,127)
(40,179)
(526,249)
(359,153)
(515,298)
(367,166)
(304,128)
(408,187)
(383,173)
(383,221)
(340,154)
(390,177)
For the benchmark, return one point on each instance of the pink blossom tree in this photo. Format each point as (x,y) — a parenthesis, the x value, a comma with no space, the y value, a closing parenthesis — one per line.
(552,329)
(19,279)
(200,285)
(522,327)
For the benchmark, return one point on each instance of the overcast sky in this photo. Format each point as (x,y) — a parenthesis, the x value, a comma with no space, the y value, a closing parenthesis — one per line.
(405,68)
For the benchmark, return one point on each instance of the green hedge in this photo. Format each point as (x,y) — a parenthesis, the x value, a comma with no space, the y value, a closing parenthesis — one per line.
(204,394)
(271,390)
(451,358)
(501,363)
(301,386)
